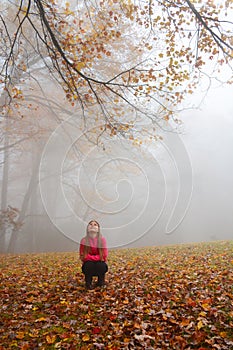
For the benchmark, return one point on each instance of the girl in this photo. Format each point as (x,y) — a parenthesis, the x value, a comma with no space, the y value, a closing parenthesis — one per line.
(93,254)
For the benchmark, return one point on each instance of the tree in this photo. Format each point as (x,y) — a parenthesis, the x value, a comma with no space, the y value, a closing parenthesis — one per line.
(132,61)
(16,129)
(26,138)
(125,67)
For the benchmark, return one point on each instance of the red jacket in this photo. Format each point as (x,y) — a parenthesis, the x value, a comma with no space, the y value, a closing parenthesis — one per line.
(93,254)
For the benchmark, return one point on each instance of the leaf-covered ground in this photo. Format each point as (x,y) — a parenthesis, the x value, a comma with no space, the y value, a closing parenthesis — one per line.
(173,297)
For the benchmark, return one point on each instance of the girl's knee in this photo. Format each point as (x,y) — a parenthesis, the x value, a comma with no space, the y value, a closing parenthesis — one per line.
(88,267)
(102,267)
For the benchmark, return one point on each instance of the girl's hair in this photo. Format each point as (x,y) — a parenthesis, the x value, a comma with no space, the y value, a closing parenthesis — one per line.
(87,246)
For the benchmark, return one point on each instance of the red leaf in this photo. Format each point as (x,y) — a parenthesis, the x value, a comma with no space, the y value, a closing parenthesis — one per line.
(96,330)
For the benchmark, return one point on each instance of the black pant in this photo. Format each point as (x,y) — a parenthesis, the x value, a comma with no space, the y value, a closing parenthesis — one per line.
(94,268)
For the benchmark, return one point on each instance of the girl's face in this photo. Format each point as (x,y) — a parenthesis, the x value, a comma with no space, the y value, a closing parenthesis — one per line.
(93,228)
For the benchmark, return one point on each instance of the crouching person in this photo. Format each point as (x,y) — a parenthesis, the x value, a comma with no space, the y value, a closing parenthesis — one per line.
(93,254)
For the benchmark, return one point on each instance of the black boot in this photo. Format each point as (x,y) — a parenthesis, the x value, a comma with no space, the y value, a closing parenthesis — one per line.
(100,281)
(88,281)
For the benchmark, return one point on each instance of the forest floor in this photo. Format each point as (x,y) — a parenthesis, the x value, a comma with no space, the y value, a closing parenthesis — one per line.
(168,297)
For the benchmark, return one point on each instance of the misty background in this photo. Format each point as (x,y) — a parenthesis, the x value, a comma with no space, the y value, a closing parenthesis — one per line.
(132,192)
(55,179)
(209,141)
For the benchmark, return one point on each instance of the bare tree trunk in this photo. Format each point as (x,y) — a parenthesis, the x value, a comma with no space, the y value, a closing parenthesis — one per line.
(4,189)
(33,183)
(33,212)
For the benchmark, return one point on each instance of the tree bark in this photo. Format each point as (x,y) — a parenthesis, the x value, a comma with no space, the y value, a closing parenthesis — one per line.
(32,186)
(4,189)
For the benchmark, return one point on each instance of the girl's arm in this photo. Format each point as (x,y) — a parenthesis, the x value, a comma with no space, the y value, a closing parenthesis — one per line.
(81,250)
(92,257)
(105,249)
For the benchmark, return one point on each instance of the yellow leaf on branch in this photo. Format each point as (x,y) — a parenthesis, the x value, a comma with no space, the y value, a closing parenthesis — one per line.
(79,65)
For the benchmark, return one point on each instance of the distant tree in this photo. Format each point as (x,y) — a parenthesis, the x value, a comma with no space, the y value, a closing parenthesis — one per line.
(17,129)
(132,60)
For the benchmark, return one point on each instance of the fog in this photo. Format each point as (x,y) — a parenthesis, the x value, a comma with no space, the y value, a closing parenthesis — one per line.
(209,141)
(178,190)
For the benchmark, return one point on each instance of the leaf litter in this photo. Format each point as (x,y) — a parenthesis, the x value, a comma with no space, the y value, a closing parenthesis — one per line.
(169,297)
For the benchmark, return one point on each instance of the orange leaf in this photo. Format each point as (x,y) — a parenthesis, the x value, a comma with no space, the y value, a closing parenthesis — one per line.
(223,334)
(41,319)
(205,306)
(86,337)
(185,322)
(126,340)
(50,339)
(20,335)
(137,325)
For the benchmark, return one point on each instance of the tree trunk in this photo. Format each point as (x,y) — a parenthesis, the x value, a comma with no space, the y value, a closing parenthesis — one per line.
(27,199)
(4,189)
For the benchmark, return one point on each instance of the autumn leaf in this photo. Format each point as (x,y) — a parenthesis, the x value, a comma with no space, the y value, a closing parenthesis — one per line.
(50,339)
(199,325)
(79,65)
(96,330)
(41,319)
(168,297)
(93,54)
(20,335)
(86,338)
